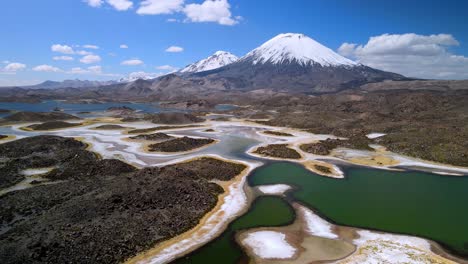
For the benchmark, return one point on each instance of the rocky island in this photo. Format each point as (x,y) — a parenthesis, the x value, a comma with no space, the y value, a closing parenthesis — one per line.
(278,151)
(52,125)
(152,137)
(180,144)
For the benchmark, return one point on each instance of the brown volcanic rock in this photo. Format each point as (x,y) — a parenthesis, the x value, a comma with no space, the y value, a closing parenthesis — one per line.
(53,125)
(278,151)
(152,137)
(173,118)
(324,147)
(110,127)
(411,120)
(152,129)
(39,116)
(191,105)
(40,152)
(80,220)
(180,144)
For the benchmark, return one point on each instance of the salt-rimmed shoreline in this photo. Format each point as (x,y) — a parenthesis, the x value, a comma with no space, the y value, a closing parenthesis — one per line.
(112,144)
(230,204)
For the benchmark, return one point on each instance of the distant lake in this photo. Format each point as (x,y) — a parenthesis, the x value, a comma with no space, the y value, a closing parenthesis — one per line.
(75,108)
(225,107)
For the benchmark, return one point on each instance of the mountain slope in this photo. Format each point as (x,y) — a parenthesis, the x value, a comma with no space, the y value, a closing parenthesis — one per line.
(217,60)
(295,48)
(70,84)
(296,63)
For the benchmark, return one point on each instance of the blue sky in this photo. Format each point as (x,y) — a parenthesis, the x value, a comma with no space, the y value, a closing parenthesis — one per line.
(201,27)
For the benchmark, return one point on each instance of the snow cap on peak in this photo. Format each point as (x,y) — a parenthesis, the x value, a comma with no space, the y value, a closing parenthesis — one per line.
(217,60)
(220,52)
(298,48)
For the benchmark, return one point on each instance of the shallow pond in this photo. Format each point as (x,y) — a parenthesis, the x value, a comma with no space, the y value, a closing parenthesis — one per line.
(265,211)
(415,203)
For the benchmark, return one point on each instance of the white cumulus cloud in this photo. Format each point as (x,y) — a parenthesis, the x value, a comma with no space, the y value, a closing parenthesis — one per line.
(157,7)
(91,47)
(94,3)
(174,49)
(62,49)
(211,11)
(133,62)
(413,55)
(120,5)
(63,58)
(46,68)
(88,59)
(123,46)
(14,67)
(95,70)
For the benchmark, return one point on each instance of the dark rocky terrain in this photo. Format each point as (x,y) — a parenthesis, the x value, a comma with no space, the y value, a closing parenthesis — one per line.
(52,125)
(38,117)
(291,77)
(152,129)
(277,133)
(121,111)
(197,105)
(173,118)
(110,127)
(431,125)
(322,168)
(152,137)
(324,147)
(79,219)
(180,144)
(278,151)
(167,118)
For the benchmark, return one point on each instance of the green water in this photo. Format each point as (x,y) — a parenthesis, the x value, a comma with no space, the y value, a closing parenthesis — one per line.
(265,211)
(416,203)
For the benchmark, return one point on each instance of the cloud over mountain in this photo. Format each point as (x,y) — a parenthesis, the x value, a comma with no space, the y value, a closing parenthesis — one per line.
(422,56)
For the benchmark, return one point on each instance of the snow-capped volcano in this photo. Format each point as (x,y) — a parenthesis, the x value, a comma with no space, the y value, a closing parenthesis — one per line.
(217,60)
(296,48)
(295,62)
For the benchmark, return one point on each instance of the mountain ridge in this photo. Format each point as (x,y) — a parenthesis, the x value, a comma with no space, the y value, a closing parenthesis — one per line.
(217,60)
